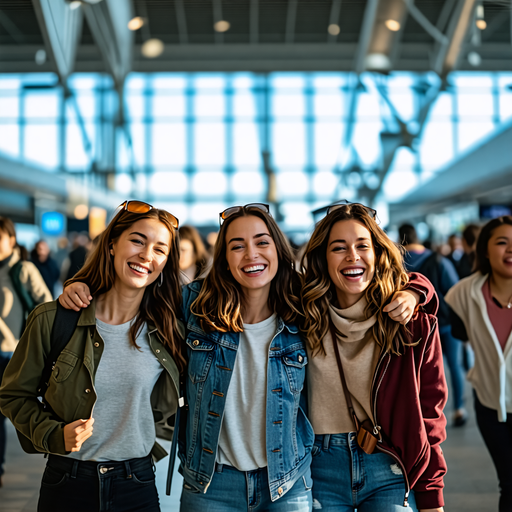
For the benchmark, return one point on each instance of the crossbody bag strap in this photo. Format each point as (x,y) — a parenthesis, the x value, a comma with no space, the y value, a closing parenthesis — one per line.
(348,398)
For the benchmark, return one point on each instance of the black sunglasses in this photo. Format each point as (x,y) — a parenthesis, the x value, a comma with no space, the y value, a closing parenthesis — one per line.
(142,207)
(343,202)
(248,207)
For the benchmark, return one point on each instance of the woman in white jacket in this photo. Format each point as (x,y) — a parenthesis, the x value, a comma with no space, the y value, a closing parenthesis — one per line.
(482,313)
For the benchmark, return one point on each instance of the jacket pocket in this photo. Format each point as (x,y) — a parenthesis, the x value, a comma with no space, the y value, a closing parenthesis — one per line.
(295,363)
(200,358)
(64,366)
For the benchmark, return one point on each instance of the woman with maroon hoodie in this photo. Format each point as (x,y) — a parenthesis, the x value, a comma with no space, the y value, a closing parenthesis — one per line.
(376,388)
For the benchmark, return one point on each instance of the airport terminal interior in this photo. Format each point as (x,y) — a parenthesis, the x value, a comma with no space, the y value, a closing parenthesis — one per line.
(194,106)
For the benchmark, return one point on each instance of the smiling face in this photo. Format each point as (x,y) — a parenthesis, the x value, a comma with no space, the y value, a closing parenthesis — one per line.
(251,253)
(350,260)
(499,251)
(140,253)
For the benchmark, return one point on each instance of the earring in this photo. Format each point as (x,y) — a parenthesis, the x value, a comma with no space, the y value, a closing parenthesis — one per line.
(161,279)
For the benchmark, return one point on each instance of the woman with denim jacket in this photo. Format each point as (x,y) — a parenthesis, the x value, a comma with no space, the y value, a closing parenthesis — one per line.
(247,442)
(393,374)
(119,371)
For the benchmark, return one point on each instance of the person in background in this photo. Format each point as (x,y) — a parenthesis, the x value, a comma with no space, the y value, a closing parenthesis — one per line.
(442,274)
(40,257)
(194,259)
(481,307)
(76,258)
(454,244)
(466,262)
(22,288)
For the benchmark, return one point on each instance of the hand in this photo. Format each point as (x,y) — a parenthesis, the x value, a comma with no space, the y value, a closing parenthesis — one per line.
(76,433)
(75,296)
(401,308)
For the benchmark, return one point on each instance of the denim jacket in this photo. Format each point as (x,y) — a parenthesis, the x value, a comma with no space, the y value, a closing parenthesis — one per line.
(211,357)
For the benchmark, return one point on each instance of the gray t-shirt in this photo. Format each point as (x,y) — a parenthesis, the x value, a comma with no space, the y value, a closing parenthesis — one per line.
(242,441)
(123,419)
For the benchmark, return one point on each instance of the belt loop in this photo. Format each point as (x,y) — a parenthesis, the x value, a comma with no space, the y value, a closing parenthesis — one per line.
(218,467)
(327,438)
(74,469)
(128,469)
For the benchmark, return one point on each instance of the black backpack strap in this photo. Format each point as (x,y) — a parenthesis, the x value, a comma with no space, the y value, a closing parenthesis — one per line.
(63,328)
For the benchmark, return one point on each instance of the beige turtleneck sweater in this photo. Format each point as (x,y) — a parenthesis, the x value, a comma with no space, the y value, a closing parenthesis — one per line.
(359,354)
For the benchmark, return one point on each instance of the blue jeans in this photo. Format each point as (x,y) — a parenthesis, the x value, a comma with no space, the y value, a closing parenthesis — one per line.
(345,478)
(4,359)
(245,491)
(452,350)
(87,486)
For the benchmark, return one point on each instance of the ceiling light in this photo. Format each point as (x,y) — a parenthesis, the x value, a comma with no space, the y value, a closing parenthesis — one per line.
(221,26)
(75,5)
(40,57)
(474,59)
(81,211)
(135,23)
(481,24)
(152,48)
(377,62)
(393,25)
(333,29)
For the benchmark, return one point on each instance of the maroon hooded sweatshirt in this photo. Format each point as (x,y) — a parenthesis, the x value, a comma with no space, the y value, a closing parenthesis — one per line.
(409,393)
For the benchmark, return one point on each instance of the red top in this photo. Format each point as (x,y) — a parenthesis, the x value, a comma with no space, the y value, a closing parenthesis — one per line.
(500,317)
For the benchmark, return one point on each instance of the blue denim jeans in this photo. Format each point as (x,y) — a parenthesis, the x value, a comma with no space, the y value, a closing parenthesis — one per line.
(88,486)
(452,350)
(4,359)
(347,479)
(245,491)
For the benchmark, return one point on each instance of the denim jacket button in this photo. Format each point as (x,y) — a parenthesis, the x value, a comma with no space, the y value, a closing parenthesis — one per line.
(280,491)
(301,359)
(195,343)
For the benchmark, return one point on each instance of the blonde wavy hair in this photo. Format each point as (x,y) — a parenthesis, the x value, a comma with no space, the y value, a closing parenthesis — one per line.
(220,300)
(318,290)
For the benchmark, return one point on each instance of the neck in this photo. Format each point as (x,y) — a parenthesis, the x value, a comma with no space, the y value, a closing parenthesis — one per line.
(190,272)
(255,307)
(501,287)
(119,305)
(346,301)
(415,248)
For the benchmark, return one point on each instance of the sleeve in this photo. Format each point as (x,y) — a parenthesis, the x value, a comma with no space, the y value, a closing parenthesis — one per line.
(35,283)
(18,393)
(449,276)
(433,395)
(421,285)
(458,328)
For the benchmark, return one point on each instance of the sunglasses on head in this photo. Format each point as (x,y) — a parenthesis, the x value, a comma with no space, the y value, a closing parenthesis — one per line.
(343,202)
(232,210)
(142,207)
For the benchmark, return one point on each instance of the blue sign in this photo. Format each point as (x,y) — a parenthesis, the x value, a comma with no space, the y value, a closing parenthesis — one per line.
(53,223)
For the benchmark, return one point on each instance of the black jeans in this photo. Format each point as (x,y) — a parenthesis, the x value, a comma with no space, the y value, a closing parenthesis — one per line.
(4,359)
(90,486)
(498,439)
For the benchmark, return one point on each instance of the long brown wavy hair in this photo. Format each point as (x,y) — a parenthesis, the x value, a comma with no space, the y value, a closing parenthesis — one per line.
(220,301)
(160,304)
(318,290)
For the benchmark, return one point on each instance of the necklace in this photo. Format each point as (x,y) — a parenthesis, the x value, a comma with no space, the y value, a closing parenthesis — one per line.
(509,301)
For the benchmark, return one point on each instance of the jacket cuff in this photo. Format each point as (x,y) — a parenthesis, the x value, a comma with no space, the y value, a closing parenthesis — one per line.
(429,499)
(55,442)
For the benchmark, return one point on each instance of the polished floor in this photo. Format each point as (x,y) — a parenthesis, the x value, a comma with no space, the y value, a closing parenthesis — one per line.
(470,485)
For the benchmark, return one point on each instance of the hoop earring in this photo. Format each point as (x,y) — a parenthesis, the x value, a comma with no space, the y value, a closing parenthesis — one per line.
(161,279)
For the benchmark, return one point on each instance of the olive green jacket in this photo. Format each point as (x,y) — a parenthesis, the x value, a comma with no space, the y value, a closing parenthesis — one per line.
(71,393)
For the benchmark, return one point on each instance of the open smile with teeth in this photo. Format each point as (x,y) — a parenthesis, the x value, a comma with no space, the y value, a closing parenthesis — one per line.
(138,268)
(253,269)
(353,272)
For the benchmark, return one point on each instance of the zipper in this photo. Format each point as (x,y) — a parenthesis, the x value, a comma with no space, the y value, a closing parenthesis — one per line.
(377,428)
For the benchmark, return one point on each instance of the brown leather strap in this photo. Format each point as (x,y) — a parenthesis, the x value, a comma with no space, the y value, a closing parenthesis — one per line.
(348,398)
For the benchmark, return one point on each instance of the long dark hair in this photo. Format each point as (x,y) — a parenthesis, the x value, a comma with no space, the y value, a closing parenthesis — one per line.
(318,289)
(220,300)
(160,304)
(482,261)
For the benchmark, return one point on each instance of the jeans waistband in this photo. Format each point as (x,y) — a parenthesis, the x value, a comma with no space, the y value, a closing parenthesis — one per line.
(220,468)
(326,440)
(91,468)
